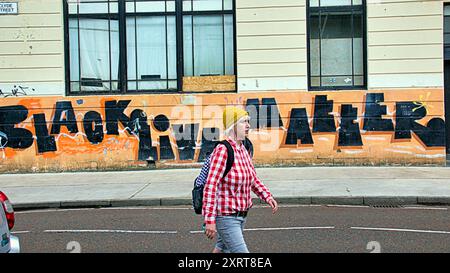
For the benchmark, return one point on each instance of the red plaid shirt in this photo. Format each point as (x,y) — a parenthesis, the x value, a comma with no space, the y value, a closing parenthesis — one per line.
(232,193)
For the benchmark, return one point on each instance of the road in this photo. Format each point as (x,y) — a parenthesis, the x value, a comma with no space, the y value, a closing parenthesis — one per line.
(295,229)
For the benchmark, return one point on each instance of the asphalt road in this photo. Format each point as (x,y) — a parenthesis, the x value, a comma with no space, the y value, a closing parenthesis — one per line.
(294,229)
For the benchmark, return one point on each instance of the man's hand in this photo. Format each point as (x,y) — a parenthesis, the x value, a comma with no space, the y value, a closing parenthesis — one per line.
(273,204)
(210,231)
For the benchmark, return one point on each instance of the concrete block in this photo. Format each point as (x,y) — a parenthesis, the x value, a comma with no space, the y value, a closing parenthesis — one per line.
(390,200)
(337,200)
(175,201)
(294,200)
(434,200)
(86,204)
(38,205)
(135,202)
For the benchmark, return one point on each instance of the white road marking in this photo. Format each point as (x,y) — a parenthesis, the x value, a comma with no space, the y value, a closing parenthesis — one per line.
(51,210)
(275,229)
(348,206)
(20,232)
(111,231)
(265,206)
(426,208)
(403,230)
(107,208)
(148,208)
(286,228)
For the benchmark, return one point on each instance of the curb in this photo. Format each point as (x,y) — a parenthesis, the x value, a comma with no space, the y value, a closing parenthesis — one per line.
(303,200)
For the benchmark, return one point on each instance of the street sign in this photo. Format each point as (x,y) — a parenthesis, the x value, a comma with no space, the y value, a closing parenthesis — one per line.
(9,8)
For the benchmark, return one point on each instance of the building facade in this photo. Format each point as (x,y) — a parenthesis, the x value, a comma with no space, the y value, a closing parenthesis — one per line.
(107,85)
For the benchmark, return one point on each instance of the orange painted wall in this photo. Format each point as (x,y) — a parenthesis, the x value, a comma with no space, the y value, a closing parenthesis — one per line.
(74,151)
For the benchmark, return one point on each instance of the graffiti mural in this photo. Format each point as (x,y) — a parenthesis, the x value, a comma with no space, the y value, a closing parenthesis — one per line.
(407,117)
(378,127)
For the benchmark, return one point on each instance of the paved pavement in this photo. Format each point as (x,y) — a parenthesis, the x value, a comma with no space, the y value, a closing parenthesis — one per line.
(294,185)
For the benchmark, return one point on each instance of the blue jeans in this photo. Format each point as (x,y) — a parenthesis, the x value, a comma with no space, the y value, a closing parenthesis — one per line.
(230,238)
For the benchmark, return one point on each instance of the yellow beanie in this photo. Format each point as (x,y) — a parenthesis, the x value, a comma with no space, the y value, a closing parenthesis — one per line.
(231,115)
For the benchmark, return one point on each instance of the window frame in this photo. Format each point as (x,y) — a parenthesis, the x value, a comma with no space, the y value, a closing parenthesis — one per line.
(151,14)
(347,8)
(123,66)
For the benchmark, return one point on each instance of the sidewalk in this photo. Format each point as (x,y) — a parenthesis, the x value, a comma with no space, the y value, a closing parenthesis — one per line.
(295,185)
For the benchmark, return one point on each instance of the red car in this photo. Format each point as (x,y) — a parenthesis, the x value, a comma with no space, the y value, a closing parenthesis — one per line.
(9,243)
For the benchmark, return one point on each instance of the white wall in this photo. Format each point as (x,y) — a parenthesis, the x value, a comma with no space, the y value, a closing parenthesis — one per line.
(405,43)
(32,48)
(271,45)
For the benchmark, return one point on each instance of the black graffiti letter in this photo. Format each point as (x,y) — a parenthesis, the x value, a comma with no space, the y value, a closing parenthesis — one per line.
(406,114)
(139,126)
(186,135)
(59,120)
(405,118)
(374,110)
(349,134)
(94,135)
(265,115)
(299,128)
(165,149)
(45,142)
(114,113)
(323,121)
(269,116)
(17,137)
(435,136)
(209,137)
(252,107)
(162,123)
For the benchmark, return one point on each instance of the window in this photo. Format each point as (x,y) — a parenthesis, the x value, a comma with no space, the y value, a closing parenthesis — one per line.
(447,32)
(336,44)
(94,46)
(151,45)
(126,46)
(208,38)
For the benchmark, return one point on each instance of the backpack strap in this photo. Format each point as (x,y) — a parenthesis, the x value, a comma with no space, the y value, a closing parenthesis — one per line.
(249,146)
(230,156)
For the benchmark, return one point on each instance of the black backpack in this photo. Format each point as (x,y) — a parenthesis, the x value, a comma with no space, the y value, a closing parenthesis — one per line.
(200,180)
